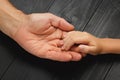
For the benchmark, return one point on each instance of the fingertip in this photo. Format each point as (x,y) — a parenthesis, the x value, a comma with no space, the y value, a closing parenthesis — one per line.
(64,35)
(60,43)
(66,57)
(83,54)
(76,56)
(63,48)
(59,56)
(66,26)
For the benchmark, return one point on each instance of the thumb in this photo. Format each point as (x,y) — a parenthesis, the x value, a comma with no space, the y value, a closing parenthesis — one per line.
(61,23)
(64,25)
(86,49)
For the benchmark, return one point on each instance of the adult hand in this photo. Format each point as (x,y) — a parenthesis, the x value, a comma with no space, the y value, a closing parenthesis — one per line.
(40,35)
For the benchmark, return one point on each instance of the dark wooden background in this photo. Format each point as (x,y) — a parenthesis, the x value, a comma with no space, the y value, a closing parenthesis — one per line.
(98,17)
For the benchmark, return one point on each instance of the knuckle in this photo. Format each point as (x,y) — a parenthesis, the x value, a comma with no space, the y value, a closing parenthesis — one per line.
(71,38)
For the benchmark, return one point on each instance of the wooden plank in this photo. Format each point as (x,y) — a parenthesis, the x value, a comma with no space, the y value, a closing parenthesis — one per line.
(32,6)
(101,19)
(6,56)
(77,12)
(27,67)
(105,23)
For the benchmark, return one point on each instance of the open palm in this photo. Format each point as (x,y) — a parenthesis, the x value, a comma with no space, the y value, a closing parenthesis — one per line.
(41,37)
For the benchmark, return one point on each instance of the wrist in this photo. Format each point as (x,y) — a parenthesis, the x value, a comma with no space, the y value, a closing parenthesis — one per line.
(104,45)
(9,23)
(10,18)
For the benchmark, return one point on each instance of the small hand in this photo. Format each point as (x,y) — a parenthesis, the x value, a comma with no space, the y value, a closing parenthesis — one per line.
(86,43)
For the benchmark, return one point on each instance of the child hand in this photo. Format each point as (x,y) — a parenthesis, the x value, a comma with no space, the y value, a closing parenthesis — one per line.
(86,43)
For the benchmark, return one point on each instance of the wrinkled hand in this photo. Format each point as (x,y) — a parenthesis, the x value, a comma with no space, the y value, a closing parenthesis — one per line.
(41,35)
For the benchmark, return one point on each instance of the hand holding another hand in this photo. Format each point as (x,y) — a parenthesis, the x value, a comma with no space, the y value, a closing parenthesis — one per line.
(86,43)
(41,35)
